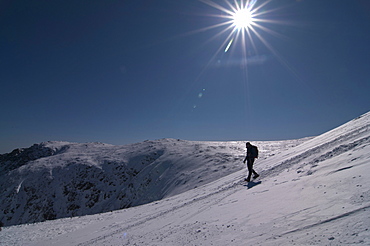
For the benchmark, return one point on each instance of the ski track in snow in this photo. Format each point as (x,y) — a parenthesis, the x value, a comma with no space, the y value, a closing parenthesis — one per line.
(359,210)
(226,189)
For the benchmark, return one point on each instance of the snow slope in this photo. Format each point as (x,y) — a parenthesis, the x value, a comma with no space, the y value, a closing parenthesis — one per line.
(59,179)
(316,193)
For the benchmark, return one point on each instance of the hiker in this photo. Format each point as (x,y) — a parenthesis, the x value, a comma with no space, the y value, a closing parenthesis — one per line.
(252,154)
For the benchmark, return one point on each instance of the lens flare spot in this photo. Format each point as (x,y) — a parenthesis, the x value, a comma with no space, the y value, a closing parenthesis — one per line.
(228,46)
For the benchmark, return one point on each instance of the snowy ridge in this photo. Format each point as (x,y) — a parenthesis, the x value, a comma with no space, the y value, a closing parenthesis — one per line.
(314,193)
(323,147)
(59,179)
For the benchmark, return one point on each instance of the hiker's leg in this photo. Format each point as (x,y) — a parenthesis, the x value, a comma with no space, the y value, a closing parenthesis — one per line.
(250,167)
(256,175)
(254,172)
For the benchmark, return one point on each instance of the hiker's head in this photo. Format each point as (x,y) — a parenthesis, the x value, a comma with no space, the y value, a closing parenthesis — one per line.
(248,144)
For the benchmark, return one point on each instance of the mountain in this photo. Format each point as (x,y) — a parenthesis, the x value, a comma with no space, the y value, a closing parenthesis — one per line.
(313,193)
(54,180)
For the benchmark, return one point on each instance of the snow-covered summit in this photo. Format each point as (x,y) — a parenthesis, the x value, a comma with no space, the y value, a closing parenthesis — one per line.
(314,193)
(54,180)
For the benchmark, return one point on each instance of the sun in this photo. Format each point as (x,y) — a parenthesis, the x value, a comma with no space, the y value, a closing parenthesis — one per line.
(246,24)
(243,19)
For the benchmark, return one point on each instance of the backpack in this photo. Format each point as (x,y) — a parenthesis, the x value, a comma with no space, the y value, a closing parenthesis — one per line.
(254,152)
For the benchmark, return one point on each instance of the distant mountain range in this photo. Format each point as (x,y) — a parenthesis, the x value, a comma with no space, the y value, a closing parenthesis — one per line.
(54,180)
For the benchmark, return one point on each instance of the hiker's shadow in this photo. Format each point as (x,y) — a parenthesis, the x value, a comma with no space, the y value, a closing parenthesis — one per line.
(252,184)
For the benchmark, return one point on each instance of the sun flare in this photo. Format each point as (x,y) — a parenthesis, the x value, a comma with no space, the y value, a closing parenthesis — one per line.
(245,24)
(243,18)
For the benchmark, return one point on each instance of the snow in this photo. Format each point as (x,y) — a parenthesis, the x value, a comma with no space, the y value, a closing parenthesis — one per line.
(55,180)
(312,191)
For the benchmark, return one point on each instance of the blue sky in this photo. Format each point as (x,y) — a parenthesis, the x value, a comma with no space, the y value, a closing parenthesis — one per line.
(125,71)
